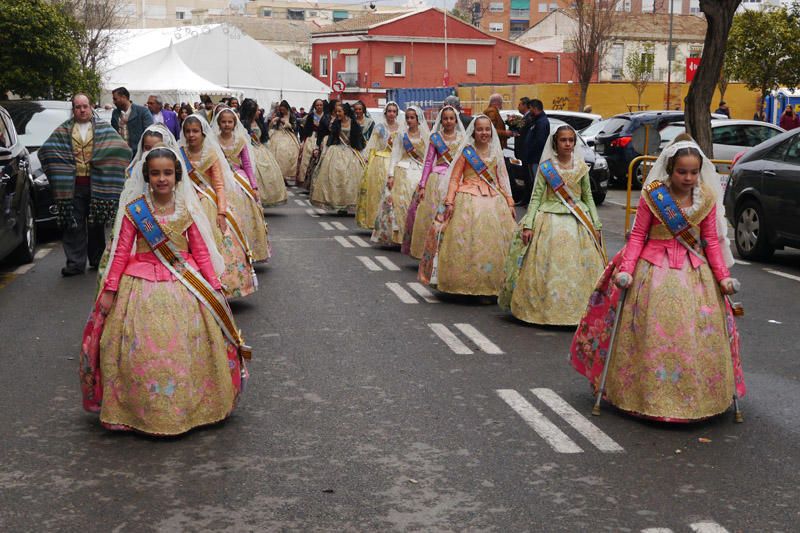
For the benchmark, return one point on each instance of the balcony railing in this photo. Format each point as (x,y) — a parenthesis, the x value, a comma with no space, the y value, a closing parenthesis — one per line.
(350,79)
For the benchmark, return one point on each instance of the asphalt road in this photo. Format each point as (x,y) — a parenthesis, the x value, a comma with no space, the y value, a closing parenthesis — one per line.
(373,407)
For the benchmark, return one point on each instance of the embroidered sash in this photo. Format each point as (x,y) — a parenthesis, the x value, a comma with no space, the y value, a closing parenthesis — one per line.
(408,146)
(166,251)
(346,142)
(563,193)
(672,216)
(255,139)
(203,188)
(441,147)
(480,168)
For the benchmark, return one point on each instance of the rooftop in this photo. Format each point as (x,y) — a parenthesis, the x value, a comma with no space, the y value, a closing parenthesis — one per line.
(361,23)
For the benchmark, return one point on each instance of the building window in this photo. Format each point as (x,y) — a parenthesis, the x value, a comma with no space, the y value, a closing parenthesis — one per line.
(648,6)
(517,28)
(496,7)
(677,6)
(180,15)
(615,63)
(520,14)
(340,14)
(694,7)
(295,14)
(625,5)
(266,12)
(395,65)
(312,13)
(323,65)
(543,7)
(513,65)
(554,6)
(495,27)
(472,66)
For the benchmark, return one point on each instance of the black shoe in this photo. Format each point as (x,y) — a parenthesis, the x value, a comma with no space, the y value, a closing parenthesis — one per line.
(68,272)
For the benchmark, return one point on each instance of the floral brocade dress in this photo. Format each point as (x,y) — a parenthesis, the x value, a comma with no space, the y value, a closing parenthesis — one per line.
(390,223)
(373,183)
(549,281)
(238,279)
(338,176)
(307,151)
(165,366)
(247,209)
(422,212)
(475,241)
(285,148)
(271,186)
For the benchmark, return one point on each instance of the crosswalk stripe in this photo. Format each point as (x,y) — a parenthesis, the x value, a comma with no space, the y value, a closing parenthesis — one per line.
(382,259)
(23,268)
(401,293)
(326,226)
(344,242)
(592,433)
(367,262)
(783,274)
(423,292)
(657,530)
(359,241)
(312,213)
(479,339)
(42,252)
(299,202)
(319,211)
(339,226)
(740,262)
(556,438)
(707,526)
(450,339)
(289,194)
(307,202)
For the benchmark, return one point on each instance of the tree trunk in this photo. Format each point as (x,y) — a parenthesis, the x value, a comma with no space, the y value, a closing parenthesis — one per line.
(584,91)
(719,16)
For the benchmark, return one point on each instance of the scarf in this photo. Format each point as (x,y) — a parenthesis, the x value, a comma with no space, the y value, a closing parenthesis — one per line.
(110,157)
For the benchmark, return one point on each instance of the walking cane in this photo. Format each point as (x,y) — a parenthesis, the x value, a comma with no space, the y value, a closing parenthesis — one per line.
(602,388)
(738,310)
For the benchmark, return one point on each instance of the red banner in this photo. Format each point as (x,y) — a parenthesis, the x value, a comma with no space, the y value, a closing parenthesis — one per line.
(691,68)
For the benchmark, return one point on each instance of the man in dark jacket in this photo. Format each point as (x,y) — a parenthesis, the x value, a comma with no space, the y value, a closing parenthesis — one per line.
(162,115)
(535,139)
(520,127)
(129,119)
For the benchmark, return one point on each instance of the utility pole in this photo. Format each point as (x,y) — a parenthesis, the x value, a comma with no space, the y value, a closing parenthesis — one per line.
(670,55)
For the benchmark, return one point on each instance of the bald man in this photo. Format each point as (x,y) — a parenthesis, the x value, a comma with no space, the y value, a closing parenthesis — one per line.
(493,112)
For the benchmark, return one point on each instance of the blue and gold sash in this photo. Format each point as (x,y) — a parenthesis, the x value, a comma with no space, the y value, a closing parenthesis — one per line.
(480,168)
(556,182)
(441,147)
(672,216)
(408,146)
(165,250)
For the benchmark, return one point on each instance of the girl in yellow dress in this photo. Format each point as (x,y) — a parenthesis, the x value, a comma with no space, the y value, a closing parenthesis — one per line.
(271,187)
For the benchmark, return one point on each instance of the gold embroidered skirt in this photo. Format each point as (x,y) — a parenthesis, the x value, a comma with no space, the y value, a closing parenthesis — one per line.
(286,150)
(271,186)
(337,179)
(371,190)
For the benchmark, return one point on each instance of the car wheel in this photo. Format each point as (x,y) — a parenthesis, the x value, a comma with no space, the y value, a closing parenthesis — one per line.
(27,248)
(750,232)
(599,196)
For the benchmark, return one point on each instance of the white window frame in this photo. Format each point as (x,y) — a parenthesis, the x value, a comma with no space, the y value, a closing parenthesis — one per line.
(496,7)
(389,66)
(514,65)
(472,67)
(496,27)
(543,7)
(266,12)
(648,6)
(324,66)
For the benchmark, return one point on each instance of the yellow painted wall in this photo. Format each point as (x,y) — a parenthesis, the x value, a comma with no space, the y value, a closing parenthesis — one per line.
(606,99)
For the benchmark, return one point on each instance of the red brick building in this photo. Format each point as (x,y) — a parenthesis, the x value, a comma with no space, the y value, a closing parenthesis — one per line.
(383,51)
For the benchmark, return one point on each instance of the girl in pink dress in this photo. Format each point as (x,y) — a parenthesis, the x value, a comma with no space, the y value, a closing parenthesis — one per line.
(676,352)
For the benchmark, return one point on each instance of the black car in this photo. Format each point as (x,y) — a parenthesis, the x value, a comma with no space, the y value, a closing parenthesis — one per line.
(762,199)
(17,225)
(521,185)
(615,139)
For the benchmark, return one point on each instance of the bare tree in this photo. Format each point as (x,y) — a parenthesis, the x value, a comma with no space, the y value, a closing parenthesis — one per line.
(595,21)
(639,69)
(96,17)
(719,16)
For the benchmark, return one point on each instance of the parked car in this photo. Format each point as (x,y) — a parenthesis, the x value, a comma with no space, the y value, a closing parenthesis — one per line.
(17,223)
(614,141)
(578,120)
(762,197)
(35,121)
(598,170)
(729,137)
(376,114)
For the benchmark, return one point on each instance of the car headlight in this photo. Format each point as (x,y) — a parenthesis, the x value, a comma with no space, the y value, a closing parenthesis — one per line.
(601,163)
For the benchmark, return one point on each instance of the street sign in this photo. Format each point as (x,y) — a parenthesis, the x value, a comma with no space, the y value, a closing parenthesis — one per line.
(338,86)
(691,68)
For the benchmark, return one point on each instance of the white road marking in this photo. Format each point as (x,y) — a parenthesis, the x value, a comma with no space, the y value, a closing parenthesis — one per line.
(359,241)
(783,274)
(289,194)
(23,269)
(657,530)
(387,264)
(556,438)
(479,339)
(344,242)
(311,213)
(401,293)
(339,226)
(423,292)
(450,339)
(592,433)
(707,526)
(367,262)
(319,211)
(740,262)
(326,226)
(307,202)
(299,202)
(42,252)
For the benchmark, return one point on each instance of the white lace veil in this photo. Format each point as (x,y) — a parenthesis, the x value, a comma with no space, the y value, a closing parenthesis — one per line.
(438,122)
(185,196)
(550,153)
(709,176)
(378,142)
(424,133)
(167,139)
(496,152)
(239,131)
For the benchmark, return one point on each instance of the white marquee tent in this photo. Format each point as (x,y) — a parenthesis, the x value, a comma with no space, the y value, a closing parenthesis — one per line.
(223,55)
